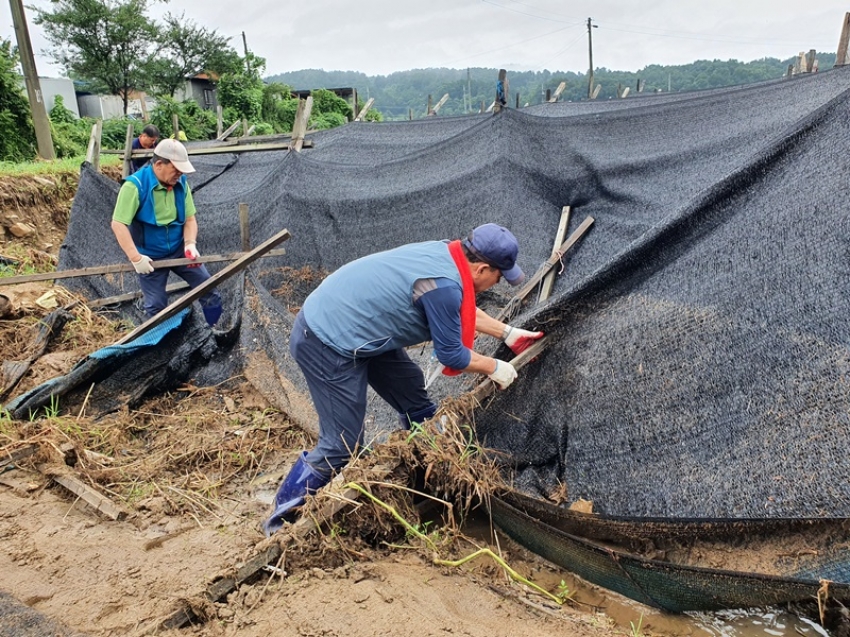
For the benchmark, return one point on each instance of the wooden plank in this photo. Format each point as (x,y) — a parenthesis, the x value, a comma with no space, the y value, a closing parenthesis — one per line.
(558,92)
(443,100)
(93,150)
(175,125)
(487,387)
(127,267)
(549,279)
(185,301)
(90,496)
(529,285)
(219,121)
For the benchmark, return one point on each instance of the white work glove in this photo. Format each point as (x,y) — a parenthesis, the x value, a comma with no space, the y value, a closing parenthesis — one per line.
(503,375)
(144,265)
(519,340)
(191,252)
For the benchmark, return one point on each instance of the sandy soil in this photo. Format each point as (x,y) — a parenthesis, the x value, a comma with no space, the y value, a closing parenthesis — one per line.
(189,519)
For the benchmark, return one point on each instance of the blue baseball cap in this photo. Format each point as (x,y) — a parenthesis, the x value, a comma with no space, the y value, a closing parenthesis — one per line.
(497,247)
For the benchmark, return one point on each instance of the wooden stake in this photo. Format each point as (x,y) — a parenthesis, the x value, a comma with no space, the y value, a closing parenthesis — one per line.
(127,267)
(529,285)
(219,121)
(91,497)
(244,227)
(175,125)
(302,117)
(128,152)
(187,299)
(549,279)
(229,131)
(841,56)
(487,387)
(93,150)
(129,296)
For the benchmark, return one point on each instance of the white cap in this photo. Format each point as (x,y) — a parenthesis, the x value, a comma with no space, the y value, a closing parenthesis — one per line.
(175,152)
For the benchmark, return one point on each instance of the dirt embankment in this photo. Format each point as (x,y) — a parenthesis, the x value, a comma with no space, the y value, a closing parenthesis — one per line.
(190,477)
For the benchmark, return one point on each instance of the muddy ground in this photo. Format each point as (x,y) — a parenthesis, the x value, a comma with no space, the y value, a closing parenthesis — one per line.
(185,481)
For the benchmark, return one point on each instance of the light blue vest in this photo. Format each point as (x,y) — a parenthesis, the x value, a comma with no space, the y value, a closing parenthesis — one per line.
(366,307)
(151,239)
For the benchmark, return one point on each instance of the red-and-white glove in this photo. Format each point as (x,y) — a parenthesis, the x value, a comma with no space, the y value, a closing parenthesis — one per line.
(144,265)
(191,252)
(519,340)
(503,375)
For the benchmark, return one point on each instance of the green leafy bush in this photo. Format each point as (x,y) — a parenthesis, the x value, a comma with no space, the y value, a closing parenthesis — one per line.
(17,134)
(323,121)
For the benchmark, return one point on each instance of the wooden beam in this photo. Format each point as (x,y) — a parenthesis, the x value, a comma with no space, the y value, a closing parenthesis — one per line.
(558,92)
(529,285)
(364,110)
(549,279)
(175,125)
(129,296)
(443,100)
(186,300)
(218,150)
(229,131)
(127,267)
(219,121)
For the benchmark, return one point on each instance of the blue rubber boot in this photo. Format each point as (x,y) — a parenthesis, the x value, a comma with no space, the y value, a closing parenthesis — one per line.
(301,481)
(408,418)
(212,313)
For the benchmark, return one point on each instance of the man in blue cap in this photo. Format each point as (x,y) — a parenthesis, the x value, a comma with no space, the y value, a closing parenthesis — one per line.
(352,330)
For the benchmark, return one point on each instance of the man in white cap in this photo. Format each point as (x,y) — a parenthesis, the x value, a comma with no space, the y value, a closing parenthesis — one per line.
(154,219)
(352,330)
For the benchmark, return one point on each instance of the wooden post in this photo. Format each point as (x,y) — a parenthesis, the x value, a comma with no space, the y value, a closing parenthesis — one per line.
(549,279)
(354,110)
(219,113)
(482,107)
(430,110)
(128,152)
(841,56)
(548,95)
(244,227)
(41,122)
(187,299)
(175,125)
(410,114)
(811,61)
(517,102)
(244,127)
(596,90)
(640,85)
(302,117)
(93,150)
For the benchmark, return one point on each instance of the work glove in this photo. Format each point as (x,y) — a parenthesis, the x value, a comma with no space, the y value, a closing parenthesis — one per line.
(519,340)
(144,265)
(191,252)
(503,375)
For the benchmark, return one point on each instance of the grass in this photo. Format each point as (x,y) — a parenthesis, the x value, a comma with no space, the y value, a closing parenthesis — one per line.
(42,167)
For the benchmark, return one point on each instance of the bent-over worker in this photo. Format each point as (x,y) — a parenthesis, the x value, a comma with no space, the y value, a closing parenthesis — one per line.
(352,330)
(154,219)
(146,141)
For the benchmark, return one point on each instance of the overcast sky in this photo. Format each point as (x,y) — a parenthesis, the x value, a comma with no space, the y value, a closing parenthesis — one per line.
(378,37)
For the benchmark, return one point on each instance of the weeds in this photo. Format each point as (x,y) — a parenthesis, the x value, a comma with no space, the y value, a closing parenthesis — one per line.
(637,628)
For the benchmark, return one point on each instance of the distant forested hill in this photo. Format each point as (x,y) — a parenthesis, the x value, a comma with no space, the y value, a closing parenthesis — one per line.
(401,94)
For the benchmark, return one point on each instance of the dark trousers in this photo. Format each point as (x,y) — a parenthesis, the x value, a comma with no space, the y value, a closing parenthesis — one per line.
(338,388)
(153,286)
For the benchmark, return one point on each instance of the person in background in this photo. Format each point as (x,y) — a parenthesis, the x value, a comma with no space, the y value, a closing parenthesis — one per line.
(352,330)
(154,219)
(146,141)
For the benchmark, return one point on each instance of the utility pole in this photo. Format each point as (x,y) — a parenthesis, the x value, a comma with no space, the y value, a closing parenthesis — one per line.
(39,112)
(247,60)
(590,26)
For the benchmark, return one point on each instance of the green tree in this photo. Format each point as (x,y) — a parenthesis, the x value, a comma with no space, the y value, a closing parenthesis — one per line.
(107,42)
(185,50)
(17,134)
(241,92)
